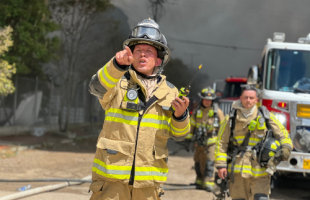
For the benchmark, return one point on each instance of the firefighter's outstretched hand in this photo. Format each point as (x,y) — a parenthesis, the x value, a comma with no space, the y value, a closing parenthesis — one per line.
(222,172)
(180,106)
(124,57)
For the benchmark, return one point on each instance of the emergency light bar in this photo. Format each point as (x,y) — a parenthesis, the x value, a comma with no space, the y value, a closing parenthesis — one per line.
(278,37)
(304,40)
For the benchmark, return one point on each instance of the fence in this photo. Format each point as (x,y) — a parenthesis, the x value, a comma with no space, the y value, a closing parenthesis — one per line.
(37,103)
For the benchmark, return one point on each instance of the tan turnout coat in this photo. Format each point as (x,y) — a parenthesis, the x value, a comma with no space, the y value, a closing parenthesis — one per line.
(119,142)
(248,165)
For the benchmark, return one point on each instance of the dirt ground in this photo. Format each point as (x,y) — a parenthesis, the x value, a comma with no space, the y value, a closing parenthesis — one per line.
(55,156)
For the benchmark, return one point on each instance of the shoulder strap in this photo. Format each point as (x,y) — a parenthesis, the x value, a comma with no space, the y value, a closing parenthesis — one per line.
(215,107)
(232,117)
(127,76)
(149,103)
(195,111)
(264,112)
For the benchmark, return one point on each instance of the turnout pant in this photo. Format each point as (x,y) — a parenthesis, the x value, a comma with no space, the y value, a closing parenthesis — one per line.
(249,188)
(120,191)
(209,172)
(200,158)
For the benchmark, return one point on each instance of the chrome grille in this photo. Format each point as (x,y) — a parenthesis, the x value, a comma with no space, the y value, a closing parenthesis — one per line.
(225,107)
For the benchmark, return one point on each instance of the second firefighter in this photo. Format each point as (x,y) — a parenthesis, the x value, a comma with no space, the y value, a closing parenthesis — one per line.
(204,127)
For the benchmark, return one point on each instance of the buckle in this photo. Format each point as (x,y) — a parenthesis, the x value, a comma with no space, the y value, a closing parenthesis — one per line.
(249,148)
(132,106)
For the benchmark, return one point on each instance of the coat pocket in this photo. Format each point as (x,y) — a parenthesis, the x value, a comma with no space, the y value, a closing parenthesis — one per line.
(161,153)
(115,146)
(96,186)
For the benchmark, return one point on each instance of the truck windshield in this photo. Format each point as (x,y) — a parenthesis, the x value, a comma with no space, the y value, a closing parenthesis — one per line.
(232,89)
(288,70)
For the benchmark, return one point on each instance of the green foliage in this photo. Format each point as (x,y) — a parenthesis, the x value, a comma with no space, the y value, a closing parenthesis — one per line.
(6,70)
(31,23)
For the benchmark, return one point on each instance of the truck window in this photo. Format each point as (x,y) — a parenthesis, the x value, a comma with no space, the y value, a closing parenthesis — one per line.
(288,70)
(232,89)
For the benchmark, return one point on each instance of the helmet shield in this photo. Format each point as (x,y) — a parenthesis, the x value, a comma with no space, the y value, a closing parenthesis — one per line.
(207,93)
(147,32)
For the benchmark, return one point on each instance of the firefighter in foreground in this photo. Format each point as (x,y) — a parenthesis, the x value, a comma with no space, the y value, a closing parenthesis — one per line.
(255,142)
(204,126)
(131,156)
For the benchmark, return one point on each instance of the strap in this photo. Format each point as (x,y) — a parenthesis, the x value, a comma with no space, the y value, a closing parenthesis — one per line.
(233,164)
(245,143)
(263,111)
(215,107)
(232,117)
(134,106)
(241,148)
(150,102)
(127,76)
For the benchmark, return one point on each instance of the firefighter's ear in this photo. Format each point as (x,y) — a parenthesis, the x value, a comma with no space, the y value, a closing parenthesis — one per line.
(158,62)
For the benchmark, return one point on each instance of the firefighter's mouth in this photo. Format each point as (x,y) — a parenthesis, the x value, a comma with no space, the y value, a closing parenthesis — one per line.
(142,61)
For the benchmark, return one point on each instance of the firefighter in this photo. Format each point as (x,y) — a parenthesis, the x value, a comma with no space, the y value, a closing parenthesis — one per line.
(204,125)
(131,156)
(242,131)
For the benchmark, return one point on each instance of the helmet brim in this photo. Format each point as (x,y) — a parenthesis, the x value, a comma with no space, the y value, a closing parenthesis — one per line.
(152,43)
(208,98)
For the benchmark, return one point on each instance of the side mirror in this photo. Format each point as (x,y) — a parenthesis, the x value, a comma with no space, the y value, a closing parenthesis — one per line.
(253,75)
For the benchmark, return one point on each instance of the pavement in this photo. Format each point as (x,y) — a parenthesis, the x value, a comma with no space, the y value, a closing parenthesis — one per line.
(54,156)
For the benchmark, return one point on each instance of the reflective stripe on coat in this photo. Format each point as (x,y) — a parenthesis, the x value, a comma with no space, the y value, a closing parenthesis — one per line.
(247,165)
(117,140)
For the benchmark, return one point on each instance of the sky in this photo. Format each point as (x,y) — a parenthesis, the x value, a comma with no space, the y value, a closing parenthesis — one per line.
(226,36)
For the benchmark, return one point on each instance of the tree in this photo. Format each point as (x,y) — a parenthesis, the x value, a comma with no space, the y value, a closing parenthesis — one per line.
(75,17)
(6,70)
(31,23)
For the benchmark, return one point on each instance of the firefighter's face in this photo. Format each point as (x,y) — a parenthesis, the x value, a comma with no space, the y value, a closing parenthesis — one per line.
(206,102)
(145,59)
(248,98)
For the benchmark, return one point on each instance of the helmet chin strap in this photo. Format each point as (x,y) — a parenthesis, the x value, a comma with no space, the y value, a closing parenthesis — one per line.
(160,69)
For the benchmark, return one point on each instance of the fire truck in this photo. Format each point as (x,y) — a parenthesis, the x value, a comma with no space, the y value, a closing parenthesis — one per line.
(284,81)
(232,92)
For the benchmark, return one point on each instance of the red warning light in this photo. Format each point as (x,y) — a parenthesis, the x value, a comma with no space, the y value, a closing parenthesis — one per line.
(282,105)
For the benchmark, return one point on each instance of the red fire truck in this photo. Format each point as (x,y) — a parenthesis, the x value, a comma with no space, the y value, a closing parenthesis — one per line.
(232,92)
(284,80)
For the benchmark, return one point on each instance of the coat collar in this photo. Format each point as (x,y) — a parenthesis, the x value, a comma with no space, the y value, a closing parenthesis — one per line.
(161,89)
(242,119)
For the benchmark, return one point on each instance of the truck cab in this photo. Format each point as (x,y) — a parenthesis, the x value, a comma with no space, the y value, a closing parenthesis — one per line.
(231,93)
(284,81)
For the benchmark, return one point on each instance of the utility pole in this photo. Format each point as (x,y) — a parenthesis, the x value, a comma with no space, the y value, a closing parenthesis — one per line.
(157,9)
(192,57)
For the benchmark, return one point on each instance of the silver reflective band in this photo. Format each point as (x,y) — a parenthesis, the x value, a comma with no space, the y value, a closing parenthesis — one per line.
(151,33)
